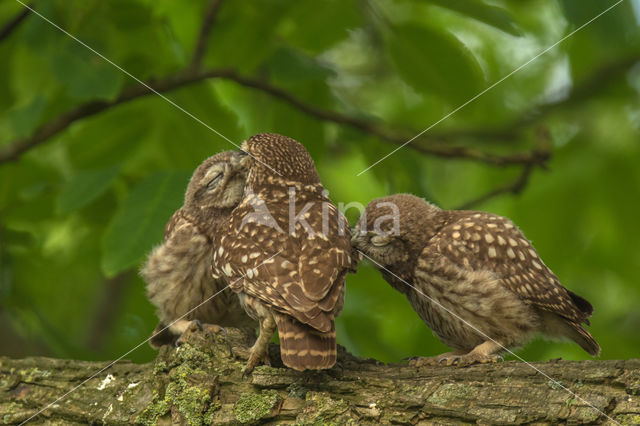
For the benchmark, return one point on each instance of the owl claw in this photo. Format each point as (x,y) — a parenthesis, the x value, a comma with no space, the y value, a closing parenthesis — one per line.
(442,359)
(196,326)
(193,326)
(213,328)
(474,358)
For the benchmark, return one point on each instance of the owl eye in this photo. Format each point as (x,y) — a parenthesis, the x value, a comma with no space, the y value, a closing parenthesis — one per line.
(215,181)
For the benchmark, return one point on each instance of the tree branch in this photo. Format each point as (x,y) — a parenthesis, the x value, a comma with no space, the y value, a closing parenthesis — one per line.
(205,31)
(435,147)
(514,188)
(14,22)
(13,151)
(202,383)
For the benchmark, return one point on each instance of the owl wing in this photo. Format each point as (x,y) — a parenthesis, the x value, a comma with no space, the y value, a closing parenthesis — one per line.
(261,261)
(482,242)
(173,222)
(325,258)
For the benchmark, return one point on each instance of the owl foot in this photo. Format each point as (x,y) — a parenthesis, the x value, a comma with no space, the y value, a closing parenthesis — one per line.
(484,353)
(256,359)
(470,359)
(195,326)
(213,328)
(421,361)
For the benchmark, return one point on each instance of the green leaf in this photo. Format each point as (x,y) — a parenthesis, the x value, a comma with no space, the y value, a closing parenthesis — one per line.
(140,220)
(22,118)
(317,29)
(245,46)
(435,61)
(84,187)
(491,15)
(85,74)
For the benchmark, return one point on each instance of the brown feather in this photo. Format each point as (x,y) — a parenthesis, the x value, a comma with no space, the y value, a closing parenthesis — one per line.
(302,347)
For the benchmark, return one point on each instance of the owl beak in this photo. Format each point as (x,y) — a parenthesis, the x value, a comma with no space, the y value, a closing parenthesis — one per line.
(244,159)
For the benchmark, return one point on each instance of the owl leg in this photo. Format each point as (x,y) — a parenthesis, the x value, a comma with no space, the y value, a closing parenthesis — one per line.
(259,353)
(484,353)
(434,360)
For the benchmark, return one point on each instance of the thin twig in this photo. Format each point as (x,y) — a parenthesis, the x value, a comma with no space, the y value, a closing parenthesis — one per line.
(205,31)
(46,131)
(544,146)
(514,188)
(14,23)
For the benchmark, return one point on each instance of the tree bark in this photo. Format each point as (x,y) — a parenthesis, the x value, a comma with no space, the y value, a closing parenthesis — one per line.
(201,382)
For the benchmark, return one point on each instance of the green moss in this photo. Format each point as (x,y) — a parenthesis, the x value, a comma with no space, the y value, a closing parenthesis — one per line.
(160,367)
(450,391)
(30,374)
(628,419)
(150,415)
(189,389)
(297,391)
(192,401)
(328,411)
(9,411)
(555,385)
(251,407)
(633,388)
(209,415)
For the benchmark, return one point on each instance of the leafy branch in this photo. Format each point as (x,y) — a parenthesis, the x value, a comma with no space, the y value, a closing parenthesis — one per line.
(46,131)
(205,32)
(14,22)
(430,144)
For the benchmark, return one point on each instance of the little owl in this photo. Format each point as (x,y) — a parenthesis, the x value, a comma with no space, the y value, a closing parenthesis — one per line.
(178,272)
(472,277)
(286,251)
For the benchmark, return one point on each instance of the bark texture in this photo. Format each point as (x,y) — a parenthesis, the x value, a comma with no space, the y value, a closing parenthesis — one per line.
(201,383)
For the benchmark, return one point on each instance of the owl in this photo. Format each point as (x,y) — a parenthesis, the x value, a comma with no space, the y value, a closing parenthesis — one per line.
(472,277)
(178,271)
(285,251)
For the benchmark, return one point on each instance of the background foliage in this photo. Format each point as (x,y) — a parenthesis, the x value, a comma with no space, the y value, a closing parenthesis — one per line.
(554,147)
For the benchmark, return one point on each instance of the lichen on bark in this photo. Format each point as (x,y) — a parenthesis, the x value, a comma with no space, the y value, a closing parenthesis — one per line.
(202,383)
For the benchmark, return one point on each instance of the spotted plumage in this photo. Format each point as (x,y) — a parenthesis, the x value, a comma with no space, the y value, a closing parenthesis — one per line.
(285,250)
(472,276)
(178,271)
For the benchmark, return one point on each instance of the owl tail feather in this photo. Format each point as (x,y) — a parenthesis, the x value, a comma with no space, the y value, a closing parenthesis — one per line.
(584,339)
(303,347)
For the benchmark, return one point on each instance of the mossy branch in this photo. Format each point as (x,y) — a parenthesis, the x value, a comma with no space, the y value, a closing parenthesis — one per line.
(201,383)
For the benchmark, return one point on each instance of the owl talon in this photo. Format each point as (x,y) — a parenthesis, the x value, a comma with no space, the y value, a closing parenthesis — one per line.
(213,328)
(193,327)
(475,358)
(443,359)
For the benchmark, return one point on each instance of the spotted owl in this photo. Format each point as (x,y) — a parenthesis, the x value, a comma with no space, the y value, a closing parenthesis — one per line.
(178,272)
(286,251)
(472,277)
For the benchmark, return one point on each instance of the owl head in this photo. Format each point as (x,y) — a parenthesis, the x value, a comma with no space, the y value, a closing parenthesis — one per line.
(217,183)
(276,157)
(396,228)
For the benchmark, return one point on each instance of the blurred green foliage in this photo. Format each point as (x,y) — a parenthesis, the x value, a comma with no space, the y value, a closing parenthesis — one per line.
(79,211)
